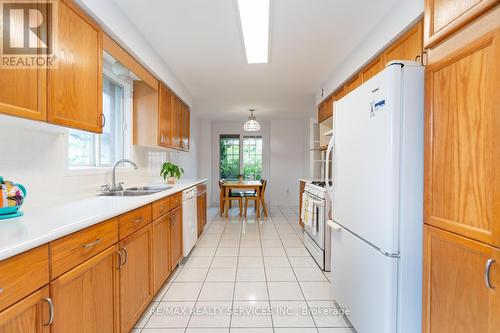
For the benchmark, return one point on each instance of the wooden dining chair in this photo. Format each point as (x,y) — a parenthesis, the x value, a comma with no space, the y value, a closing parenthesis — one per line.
(252,195)
(233,196)
(221,196)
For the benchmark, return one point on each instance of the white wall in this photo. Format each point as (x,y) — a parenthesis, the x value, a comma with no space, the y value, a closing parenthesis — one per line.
(205,156)
(288,151)
(389,28)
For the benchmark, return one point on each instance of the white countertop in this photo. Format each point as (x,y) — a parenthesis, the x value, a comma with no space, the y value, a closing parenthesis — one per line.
(40,226)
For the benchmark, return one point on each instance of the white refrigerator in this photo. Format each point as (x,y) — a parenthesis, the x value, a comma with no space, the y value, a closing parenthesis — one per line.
(377,201)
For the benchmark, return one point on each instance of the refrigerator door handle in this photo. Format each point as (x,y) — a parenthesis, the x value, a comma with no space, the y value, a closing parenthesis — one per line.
(329,150)
(333,225)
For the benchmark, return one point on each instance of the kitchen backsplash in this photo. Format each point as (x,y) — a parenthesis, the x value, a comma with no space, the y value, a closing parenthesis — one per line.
(38,159)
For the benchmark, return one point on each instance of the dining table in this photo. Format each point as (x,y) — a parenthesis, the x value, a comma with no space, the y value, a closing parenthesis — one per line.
(244,185)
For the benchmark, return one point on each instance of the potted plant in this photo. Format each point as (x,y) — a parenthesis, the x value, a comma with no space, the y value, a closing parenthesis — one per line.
(170,172)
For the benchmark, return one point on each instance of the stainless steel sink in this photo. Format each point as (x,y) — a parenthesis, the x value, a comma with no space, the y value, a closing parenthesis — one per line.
(156,188)
(136,191)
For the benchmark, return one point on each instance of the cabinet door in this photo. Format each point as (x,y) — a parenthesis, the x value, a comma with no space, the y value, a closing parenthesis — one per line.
(136,278)
(75,86)
(353,84)
(444,17)
(456,298)
(30,315)
(185,130)
(161,251)
(301,191)
(323,111)
(204,208)
(86,298)
(462,148)
(372,69)
(407,47)
(23,93)
(165,116)
(176,123)
(176,236)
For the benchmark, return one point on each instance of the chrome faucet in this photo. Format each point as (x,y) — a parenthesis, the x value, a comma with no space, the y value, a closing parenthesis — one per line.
(114,186)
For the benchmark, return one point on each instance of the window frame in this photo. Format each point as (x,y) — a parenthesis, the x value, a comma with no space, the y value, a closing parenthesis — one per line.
(126,137)
(241,138)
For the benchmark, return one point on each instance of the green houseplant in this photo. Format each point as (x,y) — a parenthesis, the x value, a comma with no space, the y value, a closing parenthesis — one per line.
(170,172)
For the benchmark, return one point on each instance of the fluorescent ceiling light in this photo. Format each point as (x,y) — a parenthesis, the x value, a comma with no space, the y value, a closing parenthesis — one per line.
(254,17)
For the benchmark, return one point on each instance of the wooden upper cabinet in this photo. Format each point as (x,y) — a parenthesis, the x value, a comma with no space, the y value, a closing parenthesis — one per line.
(161,251)
(456,297)
(176,236)
(462,125)
(75,85)
(372,69)
(86,298)
(325,109)
(407,47)
(176,123)
(165,116)
(445,17)
(23,93)
(31,315)
(136,276)
(353,84)
(185,130)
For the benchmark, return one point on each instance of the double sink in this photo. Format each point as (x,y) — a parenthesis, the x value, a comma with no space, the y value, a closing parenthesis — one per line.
(136,191)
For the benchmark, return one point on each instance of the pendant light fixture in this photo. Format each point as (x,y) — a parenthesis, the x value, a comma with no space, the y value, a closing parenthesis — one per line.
(251,125)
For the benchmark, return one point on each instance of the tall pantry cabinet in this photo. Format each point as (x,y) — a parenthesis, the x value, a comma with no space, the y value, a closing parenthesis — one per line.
(462,167)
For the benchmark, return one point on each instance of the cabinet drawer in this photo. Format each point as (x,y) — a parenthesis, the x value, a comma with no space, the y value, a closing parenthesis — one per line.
(160,207)
(72,250)
(23,274)
(134,220)
(175,200)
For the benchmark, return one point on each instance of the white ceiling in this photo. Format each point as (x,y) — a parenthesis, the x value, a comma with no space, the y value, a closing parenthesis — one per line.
(201,42)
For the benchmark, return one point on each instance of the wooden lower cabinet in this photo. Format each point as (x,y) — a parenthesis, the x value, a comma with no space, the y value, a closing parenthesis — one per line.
(301,191)
(176,236)
(136,278)
(456,297)
(86,298)
(202,212)
(161,251)
(30,315)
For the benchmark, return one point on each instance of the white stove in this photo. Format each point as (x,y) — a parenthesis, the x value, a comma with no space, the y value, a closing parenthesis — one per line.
(317,235)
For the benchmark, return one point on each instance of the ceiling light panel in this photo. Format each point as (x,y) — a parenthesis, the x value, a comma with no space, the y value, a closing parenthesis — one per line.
(254,18)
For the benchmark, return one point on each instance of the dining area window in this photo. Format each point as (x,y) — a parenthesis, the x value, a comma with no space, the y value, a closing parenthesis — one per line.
(240,155)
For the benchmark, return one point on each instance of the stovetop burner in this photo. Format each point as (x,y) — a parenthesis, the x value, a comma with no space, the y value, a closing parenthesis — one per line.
(321,183)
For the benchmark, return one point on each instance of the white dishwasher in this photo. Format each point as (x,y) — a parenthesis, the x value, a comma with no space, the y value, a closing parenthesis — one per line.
(189,220)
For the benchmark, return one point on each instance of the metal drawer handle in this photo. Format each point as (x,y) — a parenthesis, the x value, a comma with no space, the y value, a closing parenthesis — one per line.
(162,208)
(487,281)
(51,311)
(139,220)
(1,290)
(125,255)
(94,243)
(119,259)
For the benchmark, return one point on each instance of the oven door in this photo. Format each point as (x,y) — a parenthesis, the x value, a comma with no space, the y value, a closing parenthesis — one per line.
(316,231)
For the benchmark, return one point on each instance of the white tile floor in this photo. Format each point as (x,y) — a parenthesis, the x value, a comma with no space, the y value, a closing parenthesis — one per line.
(246,276)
